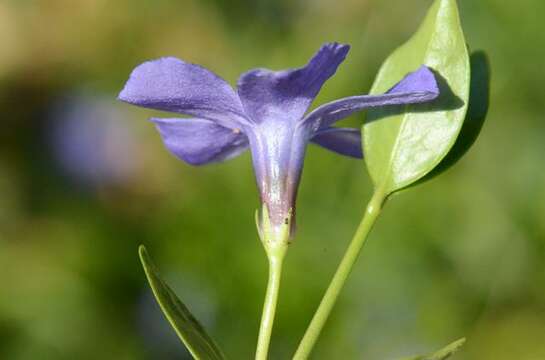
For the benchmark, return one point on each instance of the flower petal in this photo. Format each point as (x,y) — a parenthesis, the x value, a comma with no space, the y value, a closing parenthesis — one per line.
(417,87)
(287,94)
(198,141)
(344,141)
(169,84)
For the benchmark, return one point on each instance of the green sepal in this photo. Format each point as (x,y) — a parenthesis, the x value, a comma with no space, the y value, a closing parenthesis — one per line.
(442,354)
(188,329)
(403,144)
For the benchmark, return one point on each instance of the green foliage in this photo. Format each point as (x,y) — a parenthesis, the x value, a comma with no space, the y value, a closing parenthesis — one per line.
(442,354)
(192,334)
(408,142)
(477,110)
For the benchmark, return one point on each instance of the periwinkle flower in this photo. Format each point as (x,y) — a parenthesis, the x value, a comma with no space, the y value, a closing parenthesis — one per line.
(267,114)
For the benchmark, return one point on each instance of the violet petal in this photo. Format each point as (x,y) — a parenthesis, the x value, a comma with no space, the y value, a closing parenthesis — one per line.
(199,141)
(169,84)
(344,141)
(286,95)
(417,87)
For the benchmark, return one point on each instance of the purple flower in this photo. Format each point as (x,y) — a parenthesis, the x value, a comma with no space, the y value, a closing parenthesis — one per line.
(267,114)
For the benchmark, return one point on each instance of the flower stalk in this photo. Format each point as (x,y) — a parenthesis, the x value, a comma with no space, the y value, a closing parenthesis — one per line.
(275,240)
(339,279)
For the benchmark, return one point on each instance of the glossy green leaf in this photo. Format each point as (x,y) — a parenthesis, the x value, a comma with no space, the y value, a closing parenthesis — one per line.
(192,334)
(477,110)
(442,354)
(402,144)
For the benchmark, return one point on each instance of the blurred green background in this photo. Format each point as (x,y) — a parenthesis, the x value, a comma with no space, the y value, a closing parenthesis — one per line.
(84,179)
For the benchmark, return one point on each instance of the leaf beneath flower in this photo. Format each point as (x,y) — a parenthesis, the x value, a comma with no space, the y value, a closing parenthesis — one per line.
(476,114)
(403,144)
(190,332)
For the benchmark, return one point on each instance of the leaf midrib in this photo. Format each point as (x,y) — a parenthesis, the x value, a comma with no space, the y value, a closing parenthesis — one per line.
(388,176)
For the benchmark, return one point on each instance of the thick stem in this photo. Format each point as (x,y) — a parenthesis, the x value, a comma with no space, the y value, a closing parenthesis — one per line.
(339,279)
(276,258)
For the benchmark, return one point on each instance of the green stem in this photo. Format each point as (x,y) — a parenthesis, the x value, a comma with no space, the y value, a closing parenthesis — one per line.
(339,279)
(276,257)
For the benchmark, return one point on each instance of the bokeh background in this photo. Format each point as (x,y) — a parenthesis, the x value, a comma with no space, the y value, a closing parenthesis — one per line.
(85,179)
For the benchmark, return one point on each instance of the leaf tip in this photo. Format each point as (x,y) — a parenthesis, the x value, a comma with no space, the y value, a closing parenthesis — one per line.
(142,252)
(448,350)
(456,345)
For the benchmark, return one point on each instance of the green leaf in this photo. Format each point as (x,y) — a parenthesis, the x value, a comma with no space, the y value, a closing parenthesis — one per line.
(442,354)
(402,144)
(192,334)
(477,110)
